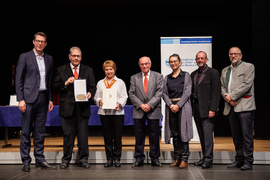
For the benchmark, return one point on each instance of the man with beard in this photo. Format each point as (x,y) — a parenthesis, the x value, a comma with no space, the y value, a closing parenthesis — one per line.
(205,102)
(237,88)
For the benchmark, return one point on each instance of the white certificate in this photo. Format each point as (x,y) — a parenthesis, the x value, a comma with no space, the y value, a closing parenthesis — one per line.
(80,90)
(109,98)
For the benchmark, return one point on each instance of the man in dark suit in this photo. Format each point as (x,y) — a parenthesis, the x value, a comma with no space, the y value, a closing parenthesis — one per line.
(75,115)
(146,88)
(205,101)
(33,89)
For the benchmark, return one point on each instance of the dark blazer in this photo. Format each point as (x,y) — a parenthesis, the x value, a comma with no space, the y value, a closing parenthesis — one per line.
(153,96)
(67,99)
(28,77)
(209,91)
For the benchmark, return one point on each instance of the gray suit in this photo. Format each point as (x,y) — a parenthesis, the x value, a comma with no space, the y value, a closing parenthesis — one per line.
(241,115)
(153,97)
(154,94)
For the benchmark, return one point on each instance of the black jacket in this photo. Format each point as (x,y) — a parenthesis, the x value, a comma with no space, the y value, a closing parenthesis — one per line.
(208,91)
(67,99)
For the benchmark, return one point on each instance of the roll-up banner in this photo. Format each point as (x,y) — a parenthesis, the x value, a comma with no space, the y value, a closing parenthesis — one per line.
(186,48)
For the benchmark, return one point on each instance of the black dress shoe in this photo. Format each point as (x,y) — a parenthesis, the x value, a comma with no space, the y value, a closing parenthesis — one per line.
(199,163)
(137,164)
(85,165)
(26,167)
(206,165)
(117,163)
(45,165)
(236,164)
(156,163)
(108,164)
(63,166)
(246,167)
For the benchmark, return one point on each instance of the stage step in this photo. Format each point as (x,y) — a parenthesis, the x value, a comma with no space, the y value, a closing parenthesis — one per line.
(222,157)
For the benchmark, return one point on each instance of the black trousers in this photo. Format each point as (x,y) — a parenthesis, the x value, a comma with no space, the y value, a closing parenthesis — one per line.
(242,132)
(205,127)
(112,126)
(154,131)
(75,125)
(35,113)
(181,149)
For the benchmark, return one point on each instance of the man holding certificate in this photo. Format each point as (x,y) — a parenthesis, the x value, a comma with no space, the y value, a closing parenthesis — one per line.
(76,84)
(111,97)
(146,90)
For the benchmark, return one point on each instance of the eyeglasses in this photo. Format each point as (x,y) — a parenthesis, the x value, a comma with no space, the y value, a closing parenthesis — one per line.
(74,56)
(234,54)
(142,64)
(42,42)
(200,58)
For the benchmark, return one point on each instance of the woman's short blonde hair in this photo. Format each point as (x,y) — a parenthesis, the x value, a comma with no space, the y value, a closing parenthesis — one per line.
(109,63)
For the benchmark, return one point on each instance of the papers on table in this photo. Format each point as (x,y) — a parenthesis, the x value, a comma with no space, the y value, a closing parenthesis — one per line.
(80,90)
(109,98)
(13,100)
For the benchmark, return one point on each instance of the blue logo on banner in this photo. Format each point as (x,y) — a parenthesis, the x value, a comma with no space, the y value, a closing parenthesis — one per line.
(166,41)
(167,62)
(195,40)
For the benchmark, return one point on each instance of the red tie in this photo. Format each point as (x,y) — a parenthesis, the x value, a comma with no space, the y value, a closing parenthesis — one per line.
(145,84)
(76,75)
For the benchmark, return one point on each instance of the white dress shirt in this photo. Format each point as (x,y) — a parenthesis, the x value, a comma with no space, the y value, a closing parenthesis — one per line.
(121,96)
(73,70)
(148,75)
(42,70)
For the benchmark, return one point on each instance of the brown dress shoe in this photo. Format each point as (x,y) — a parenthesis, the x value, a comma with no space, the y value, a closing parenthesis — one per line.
(183,165)
(176,163)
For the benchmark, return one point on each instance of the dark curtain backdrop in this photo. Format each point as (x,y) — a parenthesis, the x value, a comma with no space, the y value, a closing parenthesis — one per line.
(125,31)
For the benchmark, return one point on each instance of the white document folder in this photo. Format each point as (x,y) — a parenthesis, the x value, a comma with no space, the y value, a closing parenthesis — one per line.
(109,98)
(80,90)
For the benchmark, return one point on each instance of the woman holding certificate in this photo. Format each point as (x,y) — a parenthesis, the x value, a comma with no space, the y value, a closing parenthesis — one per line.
(178,116)
(111,97)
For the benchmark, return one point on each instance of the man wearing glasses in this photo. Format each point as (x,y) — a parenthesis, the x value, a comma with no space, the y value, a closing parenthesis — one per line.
(33,88)
(75,115)
(237,89)
(205,104)
(146,89)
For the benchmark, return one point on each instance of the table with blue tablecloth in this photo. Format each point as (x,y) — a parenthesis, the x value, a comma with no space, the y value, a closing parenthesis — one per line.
(11,116)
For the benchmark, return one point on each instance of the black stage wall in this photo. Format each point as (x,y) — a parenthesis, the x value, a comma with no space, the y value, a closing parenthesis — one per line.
(125,31)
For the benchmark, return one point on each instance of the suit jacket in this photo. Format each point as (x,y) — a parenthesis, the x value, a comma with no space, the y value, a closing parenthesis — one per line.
(184,103)
(242,86)
(28,77)
(67,99)
(153,97)
(208,91)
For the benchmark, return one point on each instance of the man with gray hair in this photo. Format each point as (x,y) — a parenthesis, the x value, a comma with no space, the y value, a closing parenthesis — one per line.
(237,89)
(146,89)
(75,115)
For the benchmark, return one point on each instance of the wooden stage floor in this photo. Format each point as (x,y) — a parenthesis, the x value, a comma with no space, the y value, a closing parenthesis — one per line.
(53,144)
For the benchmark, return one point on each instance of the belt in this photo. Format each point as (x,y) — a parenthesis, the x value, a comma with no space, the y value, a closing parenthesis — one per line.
(42,91)
(247,96)
(175,99)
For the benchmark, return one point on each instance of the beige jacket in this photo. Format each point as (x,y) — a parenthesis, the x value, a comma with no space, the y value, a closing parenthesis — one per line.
(242,87)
